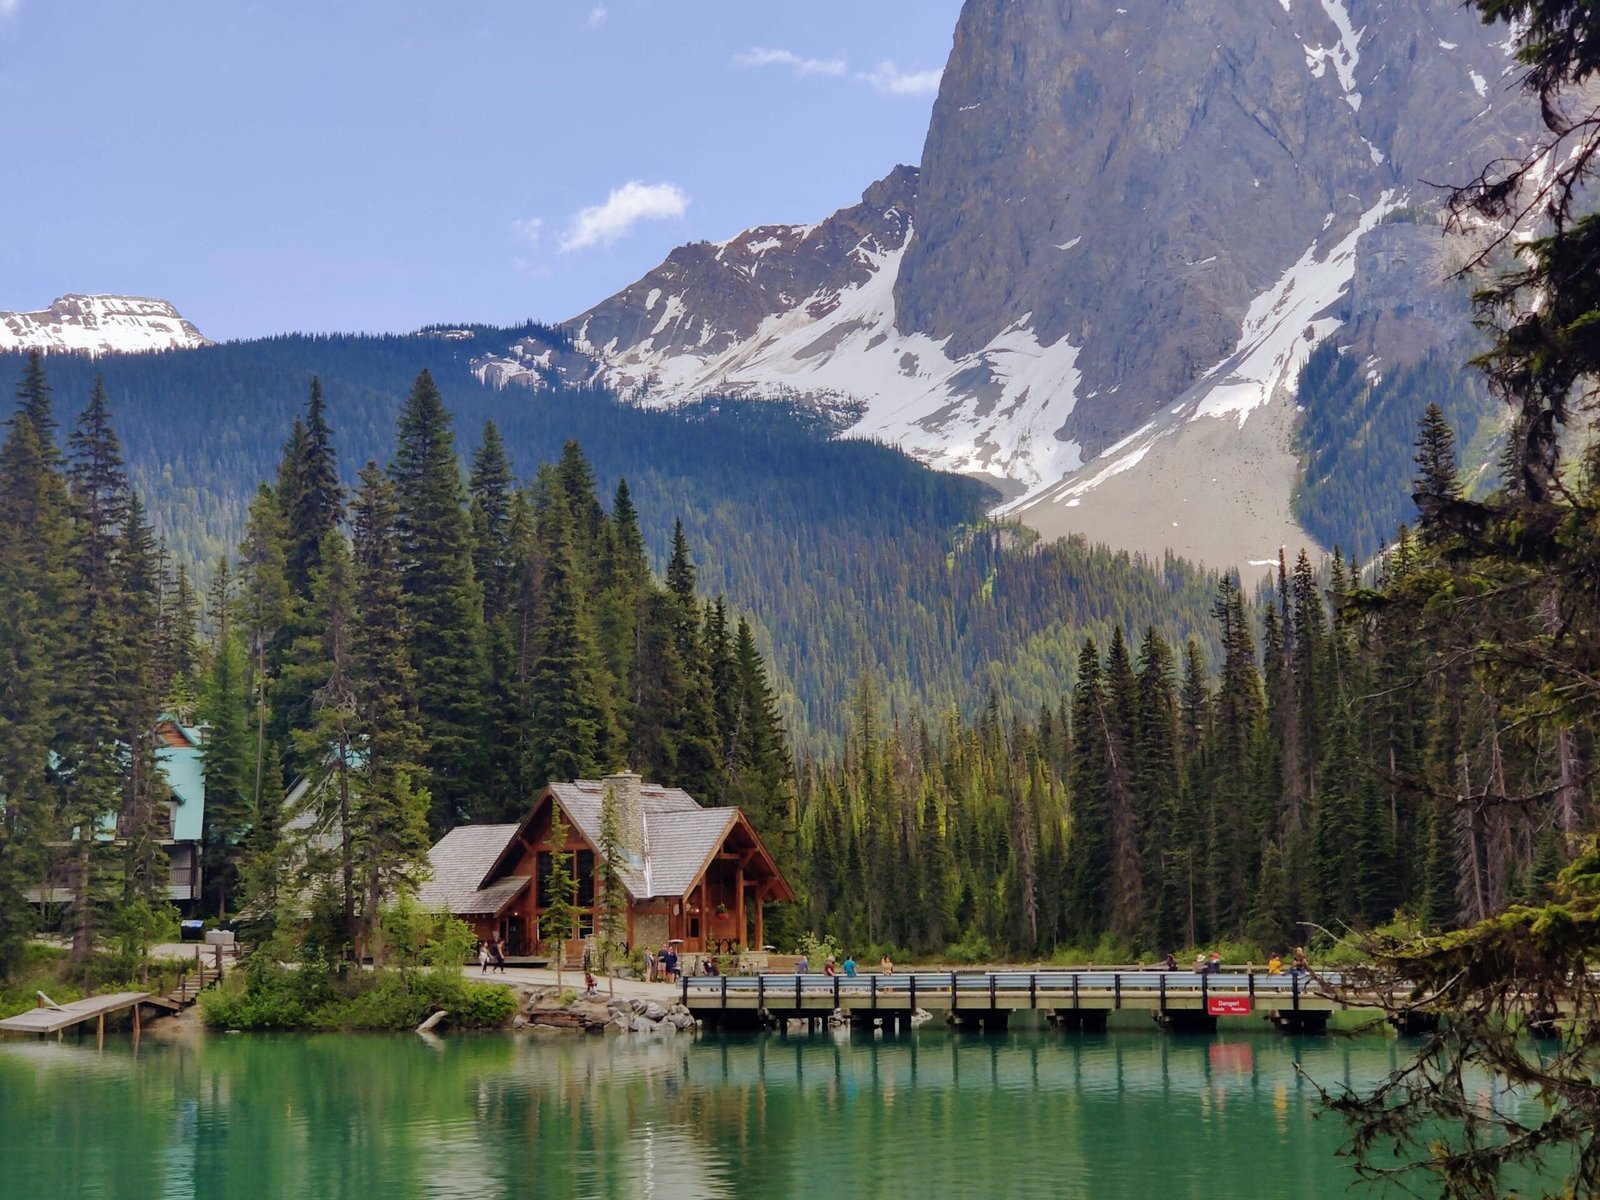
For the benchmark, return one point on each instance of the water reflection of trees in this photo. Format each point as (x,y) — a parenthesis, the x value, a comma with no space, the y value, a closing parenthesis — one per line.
(364,1117)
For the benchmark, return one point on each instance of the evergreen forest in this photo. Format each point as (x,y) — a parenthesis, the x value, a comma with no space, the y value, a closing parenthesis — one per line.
(433,642)
(845,556)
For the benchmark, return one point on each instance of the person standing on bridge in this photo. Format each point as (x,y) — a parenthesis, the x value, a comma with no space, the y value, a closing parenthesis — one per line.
(1170,963)
(849,966)
(1302,965)
(1275,964)
(886,965)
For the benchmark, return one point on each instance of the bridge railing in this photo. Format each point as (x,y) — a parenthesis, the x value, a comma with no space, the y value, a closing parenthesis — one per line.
(972,986)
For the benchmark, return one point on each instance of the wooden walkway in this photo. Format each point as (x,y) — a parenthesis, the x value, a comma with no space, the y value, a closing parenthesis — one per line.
(1075,999)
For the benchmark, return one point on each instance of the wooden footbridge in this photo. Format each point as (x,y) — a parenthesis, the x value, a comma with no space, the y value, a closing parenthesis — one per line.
(1180,1000)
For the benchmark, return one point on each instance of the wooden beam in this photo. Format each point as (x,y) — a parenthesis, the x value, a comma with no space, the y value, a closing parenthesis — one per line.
(738,891)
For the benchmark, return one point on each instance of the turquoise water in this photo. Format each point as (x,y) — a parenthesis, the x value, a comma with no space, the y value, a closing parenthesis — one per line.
(931,1113)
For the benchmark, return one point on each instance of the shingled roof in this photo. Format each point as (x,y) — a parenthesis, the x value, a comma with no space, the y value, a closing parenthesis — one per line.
(460,860)
(680,838)
(679,835)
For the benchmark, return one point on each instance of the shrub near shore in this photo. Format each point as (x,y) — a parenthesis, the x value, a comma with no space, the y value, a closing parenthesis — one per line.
(273,996)
(291,982)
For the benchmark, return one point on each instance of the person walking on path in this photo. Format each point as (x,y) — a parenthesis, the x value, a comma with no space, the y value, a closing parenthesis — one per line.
(499,956)
(483,956)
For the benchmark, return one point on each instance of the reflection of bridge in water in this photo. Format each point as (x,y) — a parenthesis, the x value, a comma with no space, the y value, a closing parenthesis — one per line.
(1181,1000)
(949,1061)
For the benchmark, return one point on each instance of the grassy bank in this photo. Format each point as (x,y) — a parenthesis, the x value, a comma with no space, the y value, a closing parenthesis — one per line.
(311,996)
(49,969)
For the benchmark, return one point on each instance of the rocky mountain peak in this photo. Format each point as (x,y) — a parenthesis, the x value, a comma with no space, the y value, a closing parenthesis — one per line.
(99,324)
(1130,226)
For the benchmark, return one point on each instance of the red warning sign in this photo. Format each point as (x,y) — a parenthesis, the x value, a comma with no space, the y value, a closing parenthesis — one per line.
(1228,1006)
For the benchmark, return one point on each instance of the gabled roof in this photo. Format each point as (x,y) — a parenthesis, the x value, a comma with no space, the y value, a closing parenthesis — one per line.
(460,860)
(681,838)
(679,835)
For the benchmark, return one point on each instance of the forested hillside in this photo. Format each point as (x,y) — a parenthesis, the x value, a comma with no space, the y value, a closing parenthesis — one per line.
(847,555)
(1355,441)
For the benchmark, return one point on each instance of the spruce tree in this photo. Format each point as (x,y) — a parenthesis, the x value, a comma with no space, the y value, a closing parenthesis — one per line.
(695,758)
(1088,882)
(94,765)
(226,757)
(558,922)
(611,897)
(387,832)
(491,486)
(564,691)
(443,603)
(1436,484)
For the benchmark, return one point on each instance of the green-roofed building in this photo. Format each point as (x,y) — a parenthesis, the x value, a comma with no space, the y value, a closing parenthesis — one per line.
(181,758)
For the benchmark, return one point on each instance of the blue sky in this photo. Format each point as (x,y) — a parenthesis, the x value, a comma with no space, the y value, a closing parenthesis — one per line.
(383,164)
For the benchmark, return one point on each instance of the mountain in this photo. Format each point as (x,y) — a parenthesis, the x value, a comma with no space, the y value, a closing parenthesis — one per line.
(100,325)
(1129,228)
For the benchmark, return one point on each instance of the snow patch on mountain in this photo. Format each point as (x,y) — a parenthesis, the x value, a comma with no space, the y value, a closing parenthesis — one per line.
(992,412)
(94,324)
(1283,325)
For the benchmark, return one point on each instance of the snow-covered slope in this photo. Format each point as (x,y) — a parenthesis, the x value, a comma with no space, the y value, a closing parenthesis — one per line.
(99,325)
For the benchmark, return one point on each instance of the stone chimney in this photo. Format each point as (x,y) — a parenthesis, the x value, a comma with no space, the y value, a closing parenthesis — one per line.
(626,790)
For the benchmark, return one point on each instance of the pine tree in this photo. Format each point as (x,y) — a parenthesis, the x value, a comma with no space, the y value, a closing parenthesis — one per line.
(227,757)
(611,897)
(1436,484)
(558,922)
(443,603)
(695,765)
(491,486)
(265,604)
(1157,784)
(93,763)
(386,833)
(624,579)
(311,505)
(35,592)
(1090,847)
(564,690)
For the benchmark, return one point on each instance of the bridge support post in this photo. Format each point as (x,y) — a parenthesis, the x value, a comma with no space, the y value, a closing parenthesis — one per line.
(1186,1020)
(1413,1024)
(1087,1020)
(1301,1020)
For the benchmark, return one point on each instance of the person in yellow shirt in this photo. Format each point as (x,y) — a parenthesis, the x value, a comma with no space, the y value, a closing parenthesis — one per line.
(1275,964)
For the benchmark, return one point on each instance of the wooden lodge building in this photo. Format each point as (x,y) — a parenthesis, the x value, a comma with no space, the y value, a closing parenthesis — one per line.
(699,875)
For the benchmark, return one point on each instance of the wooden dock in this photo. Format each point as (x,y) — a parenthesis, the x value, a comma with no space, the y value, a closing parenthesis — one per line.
(1180,1000)
(57,1018)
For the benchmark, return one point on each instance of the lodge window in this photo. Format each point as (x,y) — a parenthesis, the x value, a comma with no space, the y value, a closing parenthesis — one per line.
(585,878)
(584,865)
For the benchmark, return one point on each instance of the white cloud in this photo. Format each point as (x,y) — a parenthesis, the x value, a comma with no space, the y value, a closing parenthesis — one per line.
(597,16)
(759,57)
(892,81)
(625,207)
(528,229)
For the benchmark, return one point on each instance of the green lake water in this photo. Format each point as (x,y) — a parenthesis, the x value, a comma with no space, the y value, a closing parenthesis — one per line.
(931,1113)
